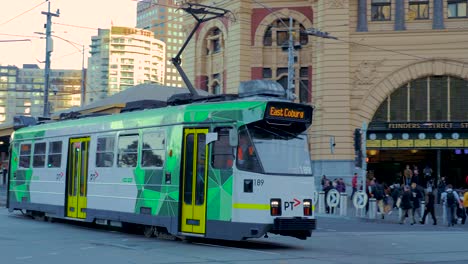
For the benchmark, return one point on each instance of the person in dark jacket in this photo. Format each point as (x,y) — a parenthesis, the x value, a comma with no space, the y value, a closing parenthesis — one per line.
(326,188)
(395,193)
(406,205)
(429,208)
(418,194)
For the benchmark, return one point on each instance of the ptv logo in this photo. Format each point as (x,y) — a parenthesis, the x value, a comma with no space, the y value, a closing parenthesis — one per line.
(291,204)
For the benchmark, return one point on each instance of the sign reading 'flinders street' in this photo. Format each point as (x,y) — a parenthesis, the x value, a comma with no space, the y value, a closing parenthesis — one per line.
(417,135)
(436,125)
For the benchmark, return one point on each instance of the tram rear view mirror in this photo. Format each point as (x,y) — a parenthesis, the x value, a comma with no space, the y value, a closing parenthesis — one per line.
(210,137)
(233,138)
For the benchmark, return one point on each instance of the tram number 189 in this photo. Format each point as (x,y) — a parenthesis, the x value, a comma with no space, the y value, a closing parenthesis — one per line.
(259,182)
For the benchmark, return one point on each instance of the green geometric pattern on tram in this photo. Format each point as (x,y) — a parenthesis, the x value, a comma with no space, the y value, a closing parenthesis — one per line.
(169,207)
(153,180)
(20,186)
(220,195)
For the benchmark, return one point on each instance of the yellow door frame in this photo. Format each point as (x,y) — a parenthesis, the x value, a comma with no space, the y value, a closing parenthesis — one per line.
(193,218)
(77,173)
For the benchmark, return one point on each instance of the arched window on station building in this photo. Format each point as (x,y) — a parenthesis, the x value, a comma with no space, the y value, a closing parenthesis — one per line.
(213,54)
(276,35)
(428,99)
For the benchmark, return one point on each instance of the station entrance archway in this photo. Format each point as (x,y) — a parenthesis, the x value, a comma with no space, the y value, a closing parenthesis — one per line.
(424,122)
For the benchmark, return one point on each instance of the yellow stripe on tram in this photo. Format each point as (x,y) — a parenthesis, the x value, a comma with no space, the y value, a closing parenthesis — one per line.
(251,206)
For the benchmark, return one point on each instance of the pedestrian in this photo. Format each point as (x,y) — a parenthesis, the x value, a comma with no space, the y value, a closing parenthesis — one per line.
(354,184)
(408,174)
(465,202)
(379,194)
(406,205)
(441,186)
(427,171)
(396,191)
(429,209)
(326,188)
(415,177)
(324,179)
(416,197)
(451,200)
(340,185)
(461,208)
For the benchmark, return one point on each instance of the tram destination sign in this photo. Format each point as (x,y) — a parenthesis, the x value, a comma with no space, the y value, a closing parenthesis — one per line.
(288,112)
(418,125)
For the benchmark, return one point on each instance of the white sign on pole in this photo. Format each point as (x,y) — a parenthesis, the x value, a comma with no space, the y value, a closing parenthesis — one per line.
(360,199)
(333,198)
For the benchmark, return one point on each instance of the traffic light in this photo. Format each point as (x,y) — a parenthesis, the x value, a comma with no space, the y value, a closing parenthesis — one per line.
(357,148)
(358,159)
(357,139)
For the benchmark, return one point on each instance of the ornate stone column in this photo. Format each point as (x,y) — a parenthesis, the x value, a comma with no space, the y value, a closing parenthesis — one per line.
(362,16)
(438,20)
(400,15)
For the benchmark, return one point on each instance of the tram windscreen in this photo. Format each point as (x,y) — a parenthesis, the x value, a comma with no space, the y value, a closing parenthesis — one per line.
(272,150)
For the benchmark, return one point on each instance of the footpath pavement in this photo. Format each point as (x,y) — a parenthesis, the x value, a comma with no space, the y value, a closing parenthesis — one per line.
(3,194)
(390,217)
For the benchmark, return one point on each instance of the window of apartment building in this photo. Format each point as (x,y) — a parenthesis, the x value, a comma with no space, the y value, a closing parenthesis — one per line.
(457,8)
(418,9)
(381,10)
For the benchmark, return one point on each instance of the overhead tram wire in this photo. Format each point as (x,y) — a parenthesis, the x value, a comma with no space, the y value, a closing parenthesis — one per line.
(15,17)
(275,13)
(14,40)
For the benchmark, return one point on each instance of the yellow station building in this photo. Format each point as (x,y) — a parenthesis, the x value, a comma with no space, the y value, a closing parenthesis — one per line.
(400,66)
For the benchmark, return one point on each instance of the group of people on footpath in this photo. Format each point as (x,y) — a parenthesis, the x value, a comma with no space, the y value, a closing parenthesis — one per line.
(408,196)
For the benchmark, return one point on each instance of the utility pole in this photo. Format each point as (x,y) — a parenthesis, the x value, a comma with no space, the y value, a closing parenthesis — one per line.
(82,77)
(49,49)
(291,62)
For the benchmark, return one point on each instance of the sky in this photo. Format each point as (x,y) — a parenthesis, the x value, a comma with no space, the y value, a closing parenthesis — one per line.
(86,16)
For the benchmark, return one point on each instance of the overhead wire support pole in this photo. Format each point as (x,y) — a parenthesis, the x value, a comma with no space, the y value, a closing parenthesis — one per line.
(49,50)
(83,94)
(291,62)
(196,10)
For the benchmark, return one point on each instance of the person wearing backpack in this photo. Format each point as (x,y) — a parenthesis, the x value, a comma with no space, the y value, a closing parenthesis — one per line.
(451,201)
(379,195)
(416,196)
(406,205)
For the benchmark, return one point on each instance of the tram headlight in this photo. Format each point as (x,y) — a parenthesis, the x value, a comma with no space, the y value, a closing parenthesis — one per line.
(307,203)
(275,207)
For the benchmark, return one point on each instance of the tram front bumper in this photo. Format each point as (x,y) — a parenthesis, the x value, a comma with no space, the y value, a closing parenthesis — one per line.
(299,227)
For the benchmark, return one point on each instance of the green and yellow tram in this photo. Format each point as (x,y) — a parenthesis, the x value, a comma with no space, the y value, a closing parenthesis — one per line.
(234,167)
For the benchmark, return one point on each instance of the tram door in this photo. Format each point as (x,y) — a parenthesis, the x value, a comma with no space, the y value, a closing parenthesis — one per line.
(194,175)
(77,171)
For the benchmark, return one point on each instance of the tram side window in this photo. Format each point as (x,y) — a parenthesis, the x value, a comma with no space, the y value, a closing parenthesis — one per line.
(153,150)
(25,155)
(246,155)
(128,148)
(222,155)
(105,152)
(39,155)
(54,159)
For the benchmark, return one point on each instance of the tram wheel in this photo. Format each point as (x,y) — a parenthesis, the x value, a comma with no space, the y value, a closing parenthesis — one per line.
(40,217)
(148,231)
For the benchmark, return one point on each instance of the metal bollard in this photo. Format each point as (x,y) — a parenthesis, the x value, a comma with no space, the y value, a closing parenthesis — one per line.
(343,204)
(400,212)
(372,208)
(321,203)
(423,206)
(444,214)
